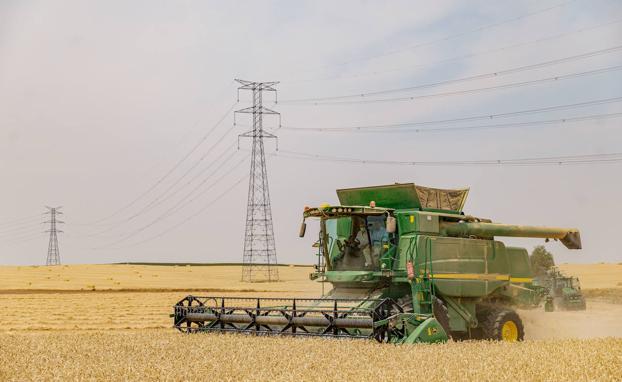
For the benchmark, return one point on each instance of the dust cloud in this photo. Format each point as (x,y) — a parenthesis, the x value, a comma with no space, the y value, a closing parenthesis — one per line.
(601,319)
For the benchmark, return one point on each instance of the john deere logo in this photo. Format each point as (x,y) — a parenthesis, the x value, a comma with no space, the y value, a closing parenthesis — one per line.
(432,331)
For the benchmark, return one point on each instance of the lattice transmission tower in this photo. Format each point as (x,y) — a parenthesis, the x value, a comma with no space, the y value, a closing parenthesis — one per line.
(53,252)
(259,256)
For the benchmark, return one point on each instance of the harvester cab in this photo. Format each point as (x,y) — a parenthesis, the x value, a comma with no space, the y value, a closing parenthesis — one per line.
(406,265)
(354,238)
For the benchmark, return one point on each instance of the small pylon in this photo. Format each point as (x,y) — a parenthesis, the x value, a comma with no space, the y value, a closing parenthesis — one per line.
(53,257)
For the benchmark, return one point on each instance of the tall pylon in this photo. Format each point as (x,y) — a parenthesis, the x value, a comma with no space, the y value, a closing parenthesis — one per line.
(53,257)
(259,256)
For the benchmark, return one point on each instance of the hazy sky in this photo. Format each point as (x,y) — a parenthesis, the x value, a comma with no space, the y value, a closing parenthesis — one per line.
(100,99)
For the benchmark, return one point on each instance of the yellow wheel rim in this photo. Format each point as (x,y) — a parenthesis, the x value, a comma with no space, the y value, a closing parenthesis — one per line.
(509,331)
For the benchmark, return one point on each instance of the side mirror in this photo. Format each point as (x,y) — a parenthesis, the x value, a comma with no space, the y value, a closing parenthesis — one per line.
(391,225)
(303,229)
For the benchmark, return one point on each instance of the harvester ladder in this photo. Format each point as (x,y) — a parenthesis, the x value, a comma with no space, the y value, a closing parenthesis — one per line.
(424,286)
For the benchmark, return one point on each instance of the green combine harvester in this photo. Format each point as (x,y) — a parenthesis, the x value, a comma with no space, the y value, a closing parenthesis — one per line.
(564,292)
(406,266)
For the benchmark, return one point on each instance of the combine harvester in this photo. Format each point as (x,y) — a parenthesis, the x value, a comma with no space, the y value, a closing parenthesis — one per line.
(564,292)
(406,265)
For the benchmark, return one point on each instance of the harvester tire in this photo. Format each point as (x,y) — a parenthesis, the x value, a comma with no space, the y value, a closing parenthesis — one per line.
(503,325)
(441,314)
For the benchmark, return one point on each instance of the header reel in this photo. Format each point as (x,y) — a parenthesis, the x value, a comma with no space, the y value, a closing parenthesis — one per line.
(346,318)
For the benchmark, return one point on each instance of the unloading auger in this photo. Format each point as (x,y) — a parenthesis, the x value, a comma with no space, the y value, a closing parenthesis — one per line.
(406,265)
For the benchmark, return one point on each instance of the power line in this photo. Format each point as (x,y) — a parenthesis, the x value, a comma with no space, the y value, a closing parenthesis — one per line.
(479,90)
(462,119)
(456,35)
(458,80)
(22,220)
(187,219)
(23,239)
(184,201)
(22,235)
(161,200)
(22,227)
(536,161)
(165,195)
(218,95)
(169,172)
(462,57)
(558,121)
(10,235)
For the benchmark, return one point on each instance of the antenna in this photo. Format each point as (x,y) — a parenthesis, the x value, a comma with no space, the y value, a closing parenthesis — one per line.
(53,257)
(259,256)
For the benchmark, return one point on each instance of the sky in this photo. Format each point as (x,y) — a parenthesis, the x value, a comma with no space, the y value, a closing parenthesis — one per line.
(121,112)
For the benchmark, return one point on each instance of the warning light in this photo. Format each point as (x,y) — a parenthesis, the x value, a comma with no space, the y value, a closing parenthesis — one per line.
(372,204)
(410,270)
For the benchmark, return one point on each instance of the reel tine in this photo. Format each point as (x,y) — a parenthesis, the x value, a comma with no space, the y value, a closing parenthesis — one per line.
(342,318)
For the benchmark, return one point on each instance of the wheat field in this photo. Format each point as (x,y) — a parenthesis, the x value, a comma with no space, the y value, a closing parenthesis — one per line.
(165,355)
(111,322)
(122,277)
(596,276)
(294,279)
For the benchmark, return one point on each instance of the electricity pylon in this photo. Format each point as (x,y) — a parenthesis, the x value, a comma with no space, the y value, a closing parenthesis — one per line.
(259,256)
(53,257)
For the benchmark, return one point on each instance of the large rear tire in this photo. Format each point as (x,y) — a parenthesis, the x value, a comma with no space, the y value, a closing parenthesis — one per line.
(503,324)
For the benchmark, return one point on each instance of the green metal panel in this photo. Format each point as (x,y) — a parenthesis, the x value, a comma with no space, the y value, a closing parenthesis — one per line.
(406,221)
(497,259)
(350,277)
(398,196)
(520,267)
(462,313)
(467,267)
(427,222)
(429,331)
(456,322)
(404,248)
